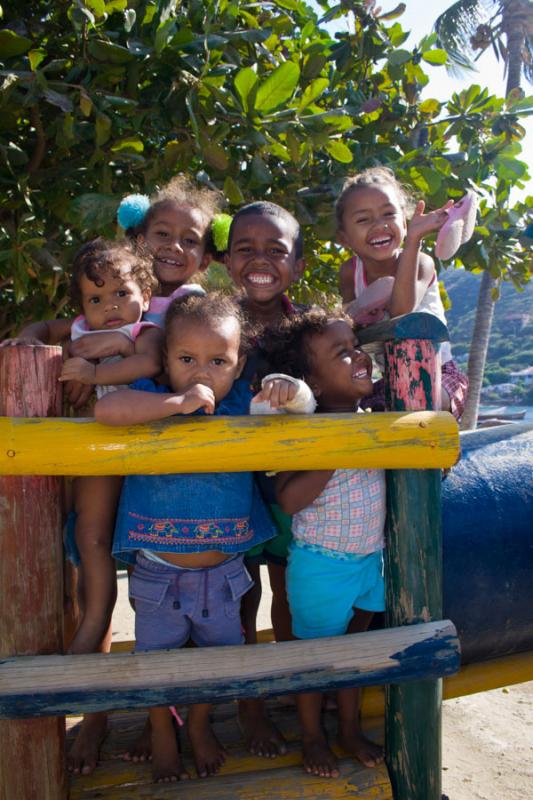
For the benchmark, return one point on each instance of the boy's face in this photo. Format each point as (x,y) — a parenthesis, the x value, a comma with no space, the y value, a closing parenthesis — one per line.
(206,353)
(262,258)
(341,373)
(117,302)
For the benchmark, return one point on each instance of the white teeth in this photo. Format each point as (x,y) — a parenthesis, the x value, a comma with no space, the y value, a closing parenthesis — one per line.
(261,279)
(379,242)
(171,263)
(362,373)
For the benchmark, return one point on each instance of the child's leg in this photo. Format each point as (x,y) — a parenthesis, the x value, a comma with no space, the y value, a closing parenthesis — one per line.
(261,737)
(166,762)
(208,753)
(96,504)
(318,758)
(280,611)
(350,735)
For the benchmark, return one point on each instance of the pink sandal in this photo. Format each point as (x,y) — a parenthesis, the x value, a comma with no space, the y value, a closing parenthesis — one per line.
(459,226)
(371,305)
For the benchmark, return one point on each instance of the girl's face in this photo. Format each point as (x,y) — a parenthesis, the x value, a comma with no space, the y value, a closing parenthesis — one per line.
(117,302)
(262,258)
(176,236)
(206,353)
(341,373)
(373,223)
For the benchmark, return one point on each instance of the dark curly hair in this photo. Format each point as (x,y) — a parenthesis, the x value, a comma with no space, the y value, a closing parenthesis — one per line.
(286,348)
(208,309)
(100,258)
(372,177)
(264,208)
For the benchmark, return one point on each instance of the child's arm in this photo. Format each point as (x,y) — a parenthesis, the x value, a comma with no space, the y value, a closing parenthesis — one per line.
(102,344)
(346,282)
(297,490)
(52,331)
(283,393)
(132,407)
(415,270)
(144,363)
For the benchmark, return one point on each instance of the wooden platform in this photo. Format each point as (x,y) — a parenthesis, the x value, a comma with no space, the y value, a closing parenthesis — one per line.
(243,777)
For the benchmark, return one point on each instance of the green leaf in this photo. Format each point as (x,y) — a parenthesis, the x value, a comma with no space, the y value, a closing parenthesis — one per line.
(11,44)
(36,57)
(57,99)
(130,16)
(311,92)
(130,144)
(399,57)
(278,87)
(94,211)
(103,129)
(435,56)
(430,106)
(233,191)
(108,52)
(244,82)
(339,151)
(86,104)
(260,172)
(215,155)
(394,13)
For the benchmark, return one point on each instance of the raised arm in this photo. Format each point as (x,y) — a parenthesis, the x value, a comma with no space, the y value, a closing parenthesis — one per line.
(52,331)
(297,490)
(132,407)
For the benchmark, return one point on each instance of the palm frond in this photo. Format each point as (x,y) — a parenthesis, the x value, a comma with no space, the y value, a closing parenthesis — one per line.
(456,26)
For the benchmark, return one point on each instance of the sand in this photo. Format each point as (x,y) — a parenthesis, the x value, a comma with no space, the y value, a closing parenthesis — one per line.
(487,738)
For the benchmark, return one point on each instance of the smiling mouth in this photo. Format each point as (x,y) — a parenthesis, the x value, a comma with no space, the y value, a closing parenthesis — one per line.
(260,278)
(383,241)
(360,374)
(169,262)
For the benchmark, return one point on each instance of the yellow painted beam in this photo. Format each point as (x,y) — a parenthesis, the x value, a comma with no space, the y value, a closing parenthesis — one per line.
(418,440)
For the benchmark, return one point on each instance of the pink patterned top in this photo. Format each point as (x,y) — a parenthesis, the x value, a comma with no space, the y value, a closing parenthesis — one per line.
(348,516)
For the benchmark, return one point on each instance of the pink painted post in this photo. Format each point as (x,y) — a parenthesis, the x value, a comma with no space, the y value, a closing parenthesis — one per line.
(32,752)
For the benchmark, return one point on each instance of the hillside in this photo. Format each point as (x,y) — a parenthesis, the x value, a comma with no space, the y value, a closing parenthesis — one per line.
(511,342)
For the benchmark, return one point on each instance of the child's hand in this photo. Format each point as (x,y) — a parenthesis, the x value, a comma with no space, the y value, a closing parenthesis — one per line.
(102,345)
(277,392)
(421,224)
(78,369)
(198,396)
(20,340)
(77,394)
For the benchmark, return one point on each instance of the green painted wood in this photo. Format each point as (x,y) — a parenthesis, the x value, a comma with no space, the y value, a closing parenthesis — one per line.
(414,579)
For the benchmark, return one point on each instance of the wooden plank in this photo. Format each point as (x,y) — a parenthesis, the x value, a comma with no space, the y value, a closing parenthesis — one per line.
(43,686)
(420,326)
(31,566)
(200,444)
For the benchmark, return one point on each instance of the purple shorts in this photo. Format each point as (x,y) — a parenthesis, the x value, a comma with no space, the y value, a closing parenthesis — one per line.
(173,605)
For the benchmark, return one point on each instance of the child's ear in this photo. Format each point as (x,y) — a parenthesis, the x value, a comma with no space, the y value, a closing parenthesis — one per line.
(341,238)
(240,366)
(299,268)
(147,296)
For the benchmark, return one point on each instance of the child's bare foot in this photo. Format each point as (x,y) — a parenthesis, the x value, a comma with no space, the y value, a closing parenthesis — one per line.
(367,752)
(141,749)
(261,737)
(85,752)
(318,758)
(209,755)
(166,762)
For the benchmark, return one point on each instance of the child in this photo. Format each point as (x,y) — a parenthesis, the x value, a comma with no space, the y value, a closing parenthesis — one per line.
(334,576)
(189,531)
(264,258)
(372,222)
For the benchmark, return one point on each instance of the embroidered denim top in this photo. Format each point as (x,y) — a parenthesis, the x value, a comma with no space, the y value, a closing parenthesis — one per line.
(192,512)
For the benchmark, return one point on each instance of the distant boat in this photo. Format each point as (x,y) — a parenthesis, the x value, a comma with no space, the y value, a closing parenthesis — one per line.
(501,414)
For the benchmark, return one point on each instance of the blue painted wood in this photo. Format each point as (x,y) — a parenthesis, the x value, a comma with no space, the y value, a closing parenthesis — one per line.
(487,516)
(409,326)
(57,685)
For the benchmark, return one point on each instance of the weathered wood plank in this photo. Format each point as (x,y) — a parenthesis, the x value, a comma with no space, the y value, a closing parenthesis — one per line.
(409,326)
(196,444)
(44,686)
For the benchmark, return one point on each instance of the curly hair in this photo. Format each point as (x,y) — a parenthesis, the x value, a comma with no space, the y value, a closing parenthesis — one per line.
(264,208)
(100,258)
(183,191)
(374,176)
(208,309)
(286,348)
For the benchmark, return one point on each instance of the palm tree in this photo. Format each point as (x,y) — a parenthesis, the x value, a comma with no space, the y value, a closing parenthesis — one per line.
(465,31)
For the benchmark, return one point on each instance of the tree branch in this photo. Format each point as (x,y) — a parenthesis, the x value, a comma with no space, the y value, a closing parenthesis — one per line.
(40,146)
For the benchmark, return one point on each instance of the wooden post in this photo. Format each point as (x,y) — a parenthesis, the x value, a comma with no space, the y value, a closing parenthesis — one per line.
(32,752)
(414,578)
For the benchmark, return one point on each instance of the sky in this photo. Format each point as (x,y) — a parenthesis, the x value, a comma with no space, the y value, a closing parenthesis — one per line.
(419,18)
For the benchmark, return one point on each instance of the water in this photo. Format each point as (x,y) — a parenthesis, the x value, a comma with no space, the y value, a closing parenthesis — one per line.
(511,409)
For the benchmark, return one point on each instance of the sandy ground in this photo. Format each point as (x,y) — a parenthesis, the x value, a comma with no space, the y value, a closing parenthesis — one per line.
(487,738)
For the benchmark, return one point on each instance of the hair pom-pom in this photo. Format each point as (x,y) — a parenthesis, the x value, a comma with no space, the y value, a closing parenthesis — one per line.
(220,231)
(132,210)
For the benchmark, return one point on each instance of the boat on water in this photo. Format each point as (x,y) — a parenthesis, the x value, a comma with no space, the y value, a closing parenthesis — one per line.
(501,414)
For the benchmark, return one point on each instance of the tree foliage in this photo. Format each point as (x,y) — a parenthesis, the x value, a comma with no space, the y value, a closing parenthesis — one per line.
(103,97)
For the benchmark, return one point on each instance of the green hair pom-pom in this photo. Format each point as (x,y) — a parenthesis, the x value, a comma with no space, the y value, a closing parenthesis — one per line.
(220,231)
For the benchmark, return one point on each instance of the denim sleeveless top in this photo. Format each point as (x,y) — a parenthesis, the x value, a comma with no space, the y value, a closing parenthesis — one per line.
(192,512)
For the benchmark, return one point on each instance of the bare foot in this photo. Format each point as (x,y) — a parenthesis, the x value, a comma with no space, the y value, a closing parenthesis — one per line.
(261,737)
(85,752)
(141,749)
(367,752)
(166,762)
(318,758)
(209,755)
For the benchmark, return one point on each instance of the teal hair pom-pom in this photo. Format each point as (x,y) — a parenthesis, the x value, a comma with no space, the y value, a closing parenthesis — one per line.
(132,210)
(220,231)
